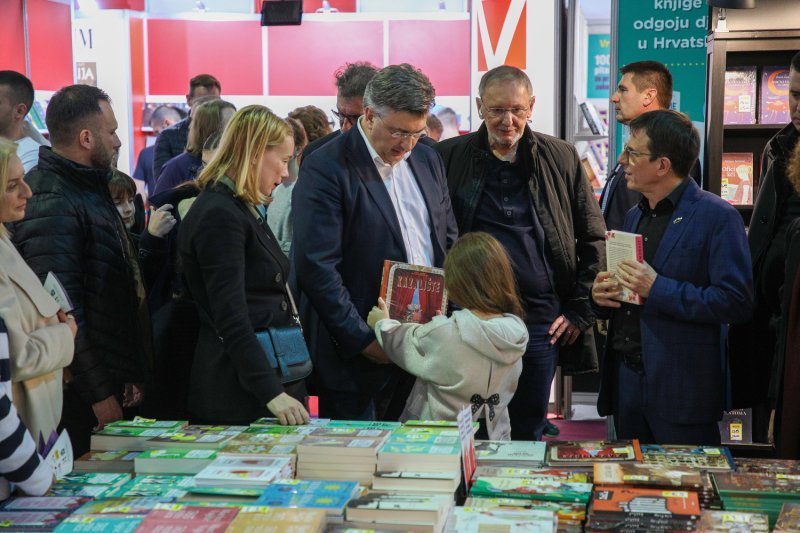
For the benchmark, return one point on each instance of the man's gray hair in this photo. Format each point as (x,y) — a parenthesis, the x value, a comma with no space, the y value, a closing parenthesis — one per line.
(505,73)
(399,88)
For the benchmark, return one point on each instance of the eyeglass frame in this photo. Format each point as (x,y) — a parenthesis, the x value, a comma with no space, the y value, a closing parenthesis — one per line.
(399,134)
(500,112)
(630,152)
(342,117)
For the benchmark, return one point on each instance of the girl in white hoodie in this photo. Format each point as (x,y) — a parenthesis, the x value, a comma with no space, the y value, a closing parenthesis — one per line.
(474,356)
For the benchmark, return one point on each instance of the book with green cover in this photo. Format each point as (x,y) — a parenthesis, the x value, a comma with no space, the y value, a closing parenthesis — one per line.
(123,506)
(364,424)
(149,423)
(100,524)
(532,489)
(123,438)
(497,452)
(154,485)
(271,421)
(564,474)
(173,461)
(106,461)
(190,439)
(94,478)
(779,485)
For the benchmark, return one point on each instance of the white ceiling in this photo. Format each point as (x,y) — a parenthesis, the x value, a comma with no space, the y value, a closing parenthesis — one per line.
(596,11)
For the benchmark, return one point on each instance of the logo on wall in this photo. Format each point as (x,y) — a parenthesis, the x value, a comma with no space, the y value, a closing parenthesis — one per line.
(501,33)
(86,73)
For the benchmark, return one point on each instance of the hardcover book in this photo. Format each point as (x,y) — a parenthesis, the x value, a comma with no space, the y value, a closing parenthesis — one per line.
(584,453)
(737,178)
(774,101)
(531,489)
(717,458)
(413,293)
(621,245)
(740,96)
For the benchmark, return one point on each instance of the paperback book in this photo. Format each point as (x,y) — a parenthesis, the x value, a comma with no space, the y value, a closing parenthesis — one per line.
(788,519)
(174,517)
(413,293)
(621,245)
(737,178)
(774,100)
(270,519)
(173,461)
(241,472)
(646,509)
(100,524)
(120,461)
(443,482)
(585,453)
(740,96)
(123,438)
(469,520)
(716,458)
(733,521)
(331,496)
(517,452)
(394,508)
(531,489)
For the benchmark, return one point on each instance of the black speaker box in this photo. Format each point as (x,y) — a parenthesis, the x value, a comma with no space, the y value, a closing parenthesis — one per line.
(281,12)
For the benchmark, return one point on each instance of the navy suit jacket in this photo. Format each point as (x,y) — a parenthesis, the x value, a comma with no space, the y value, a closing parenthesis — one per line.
(345,226)
(704,282)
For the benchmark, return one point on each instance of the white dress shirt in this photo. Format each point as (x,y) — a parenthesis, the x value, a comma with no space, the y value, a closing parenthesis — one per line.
(409,205)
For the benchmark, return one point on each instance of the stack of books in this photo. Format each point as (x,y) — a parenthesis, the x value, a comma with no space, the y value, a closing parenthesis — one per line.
(119,461)
(515,453)
(330,496)
(637,509)
(544,488)
(195,437)
(464,519)
(131,435)
(399,481)
(409,512)
(757,493)
(569,516)
(243,473)
(329,456)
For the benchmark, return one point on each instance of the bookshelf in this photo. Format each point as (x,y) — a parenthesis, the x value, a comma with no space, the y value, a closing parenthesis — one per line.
(763,48)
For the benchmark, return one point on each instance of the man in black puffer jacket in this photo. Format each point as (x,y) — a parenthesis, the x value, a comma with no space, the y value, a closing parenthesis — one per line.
(71,228)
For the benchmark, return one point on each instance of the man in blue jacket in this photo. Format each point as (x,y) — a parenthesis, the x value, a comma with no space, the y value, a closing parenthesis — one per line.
(663,373)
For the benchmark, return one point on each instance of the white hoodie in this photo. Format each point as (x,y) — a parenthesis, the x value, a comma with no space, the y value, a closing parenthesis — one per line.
(456,358)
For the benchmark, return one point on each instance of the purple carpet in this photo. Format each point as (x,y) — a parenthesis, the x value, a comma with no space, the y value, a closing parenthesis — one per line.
(580,429)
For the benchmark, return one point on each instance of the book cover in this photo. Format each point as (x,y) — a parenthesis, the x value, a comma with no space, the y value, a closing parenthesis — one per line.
(190,439)
(733,521)
(243,472)
(774,100)
(149,423)
(60,457)
(674,504)
(788,519)
(399,508)
(786,486)
(621,245)
(331,446)
(330,495)
(122,438)
(576,476)
(173,461)
(593,120)
(42,503)
(171,486)
(647,475)
(413,293)
(567,512)
(469,520)
(247,449)
(576,453)
(349,432)
(767,466)
(365,424)
(123,506)
(716,458)
(272,421)
(82,491)
(740,96)
(531,489)
(518,451)
(253,519)
(119,461)
(175,517)
(94,478)
(54,287)
(100,524)
(416,481)
(31,520)
(737,178)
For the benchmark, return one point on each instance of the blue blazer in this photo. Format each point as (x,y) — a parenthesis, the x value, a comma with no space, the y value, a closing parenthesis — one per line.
(704,282)
(345,226)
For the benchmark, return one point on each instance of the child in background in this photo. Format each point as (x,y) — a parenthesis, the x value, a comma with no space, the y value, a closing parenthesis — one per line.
(472,357)
(123,193)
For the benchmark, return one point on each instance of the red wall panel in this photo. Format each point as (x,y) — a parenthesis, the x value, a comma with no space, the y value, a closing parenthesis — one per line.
(50,41)
(302,59)
(180,49)
(439,48)
(138,85)
(12,37)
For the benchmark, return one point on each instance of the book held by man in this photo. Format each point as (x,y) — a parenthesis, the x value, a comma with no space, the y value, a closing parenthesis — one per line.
(413,293)
(621,245)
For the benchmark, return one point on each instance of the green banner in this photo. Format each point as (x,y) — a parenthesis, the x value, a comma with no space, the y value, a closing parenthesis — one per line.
(672,32)
(598,77)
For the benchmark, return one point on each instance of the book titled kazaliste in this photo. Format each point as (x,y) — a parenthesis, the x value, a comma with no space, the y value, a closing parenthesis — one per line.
(413,293)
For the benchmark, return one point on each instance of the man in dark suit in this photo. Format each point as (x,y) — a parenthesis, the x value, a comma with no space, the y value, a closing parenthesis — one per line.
(371,194)
(663,376)
(163,117)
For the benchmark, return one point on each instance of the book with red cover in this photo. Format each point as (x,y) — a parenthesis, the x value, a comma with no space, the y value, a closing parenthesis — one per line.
(413,293)
(621,245)
(737,178)
(774,101)
(585,453)
(740,96)
(177,518)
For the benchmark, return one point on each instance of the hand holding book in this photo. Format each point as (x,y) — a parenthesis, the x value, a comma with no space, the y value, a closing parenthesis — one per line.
(378,312)
(636,276)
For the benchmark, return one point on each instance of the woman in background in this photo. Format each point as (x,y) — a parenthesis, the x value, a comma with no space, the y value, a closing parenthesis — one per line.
(279,214)
(236,274)
(40,335)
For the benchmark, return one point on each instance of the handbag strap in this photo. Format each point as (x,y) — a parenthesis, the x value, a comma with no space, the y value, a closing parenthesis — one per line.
(295,313)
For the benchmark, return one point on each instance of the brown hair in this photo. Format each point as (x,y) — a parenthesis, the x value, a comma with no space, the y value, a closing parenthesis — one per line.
(478,275)
(120,183)
(793,169)
(314,121)
(207,81)
(206,121)
(651,75)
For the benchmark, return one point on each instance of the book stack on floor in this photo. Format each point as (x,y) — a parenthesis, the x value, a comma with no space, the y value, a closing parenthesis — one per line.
(340,454)
(757,493)
(243,473)
(330,496)
(637,509)
(517,453)
(399,511)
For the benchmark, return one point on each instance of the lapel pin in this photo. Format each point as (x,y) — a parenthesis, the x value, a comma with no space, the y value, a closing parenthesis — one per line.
(677,220)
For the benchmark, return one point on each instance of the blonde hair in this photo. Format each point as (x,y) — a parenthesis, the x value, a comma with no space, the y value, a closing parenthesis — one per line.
(250,132)
(8,149)
(478,275)
(793,169)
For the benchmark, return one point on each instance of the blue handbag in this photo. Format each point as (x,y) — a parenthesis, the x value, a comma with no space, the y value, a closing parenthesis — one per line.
(286,349)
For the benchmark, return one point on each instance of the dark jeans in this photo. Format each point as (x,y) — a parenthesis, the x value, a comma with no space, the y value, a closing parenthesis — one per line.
(528,407)
(634,419)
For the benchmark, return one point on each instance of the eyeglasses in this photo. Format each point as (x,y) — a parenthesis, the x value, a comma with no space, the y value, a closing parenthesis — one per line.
(630,152)
(399,134)
(343,117)
(500,112)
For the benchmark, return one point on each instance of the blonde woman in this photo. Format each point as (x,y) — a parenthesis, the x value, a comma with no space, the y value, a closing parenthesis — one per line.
(40,335)
(236,274)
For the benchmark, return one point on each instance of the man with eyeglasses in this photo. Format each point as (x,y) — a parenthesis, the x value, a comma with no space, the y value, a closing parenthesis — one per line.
(373,193)
(663,371)
(529,191)
(351,81)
